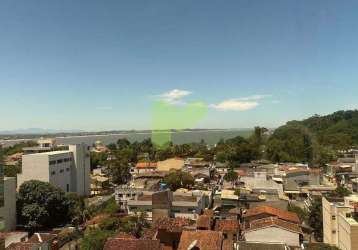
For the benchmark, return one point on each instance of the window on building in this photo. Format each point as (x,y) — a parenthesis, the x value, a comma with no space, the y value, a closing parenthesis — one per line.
(61,171)
(68,188)
(333,231)
(52,162)
(67,169)
(333,217)
(59,161)
(53,173)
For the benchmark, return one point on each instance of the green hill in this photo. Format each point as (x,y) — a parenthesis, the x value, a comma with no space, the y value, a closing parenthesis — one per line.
(314,139)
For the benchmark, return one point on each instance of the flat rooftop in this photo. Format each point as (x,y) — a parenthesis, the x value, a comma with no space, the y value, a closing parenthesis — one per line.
(51,153)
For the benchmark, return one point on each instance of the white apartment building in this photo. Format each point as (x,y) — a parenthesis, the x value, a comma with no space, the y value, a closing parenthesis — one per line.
(68,170)
(8,210)
(339,227)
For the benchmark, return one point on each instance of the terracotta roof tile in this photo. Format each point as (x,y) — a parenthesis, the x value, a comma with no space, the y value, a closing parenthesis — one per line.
(272,221)
(22,246)
(227,225)
(205,240)
(282,214)
(146,165)
(172,224)
(203,222)
(132,244)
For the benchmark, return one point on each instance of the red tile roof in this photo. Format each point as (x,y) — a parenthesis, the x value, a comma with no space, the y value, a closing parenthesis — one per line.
(270,222)
(205,240)
(132,244)
(22,246)
(146,165)
(271,211)
(203,222)
(227,226)
(172,224)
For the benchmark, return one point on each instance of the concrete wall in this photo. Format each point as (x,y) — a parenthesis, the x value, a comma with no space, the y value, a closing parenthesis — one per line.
(347,233)
(34,167)
(273,235)
(82,170)
(8,211)
(60,173)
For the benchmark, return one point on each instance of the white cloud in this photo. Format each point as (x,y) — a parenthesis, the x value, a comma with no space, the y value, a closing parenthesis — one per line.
(253,97)
(235,105)
(174,96)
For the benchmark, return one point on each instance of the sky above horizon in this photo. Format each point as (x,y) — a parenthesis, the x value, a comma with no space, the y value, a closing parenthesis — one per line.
(100,65)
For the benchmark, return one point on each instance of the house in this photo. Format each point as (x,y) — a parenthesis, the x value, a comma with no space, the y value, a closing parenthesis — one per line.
(144,167)
(99,184)
(266,211)
(68,169)
(167,204)
(38,241)
(12,237)
(202,239)
(273,230)
(243,245)
(123,194)
(229,228)
(169,230)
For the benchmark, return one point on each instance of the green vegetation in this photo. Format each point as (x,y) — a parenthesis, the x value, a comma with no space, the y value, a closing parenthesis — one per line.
(314,140)
(40,205)
(12,171)
(95,238)
(340,192)
(231,176)
(98,159)
(302,213)
(178,179)
(321,246)
(315,219)
(17,148)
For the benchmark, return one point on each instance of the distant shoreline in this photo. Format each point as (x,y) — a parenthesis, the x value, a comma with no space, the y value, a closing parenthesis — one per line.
(89,136)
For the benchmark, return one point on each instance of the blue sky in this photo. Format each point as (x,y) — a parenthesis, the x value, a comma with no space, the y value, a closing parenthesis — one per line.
(97,65)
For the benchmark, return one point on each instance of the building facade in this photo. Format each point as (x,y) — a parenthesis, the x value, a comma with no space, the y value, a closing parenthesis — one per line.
(8,210)
(340,228)
(68,170)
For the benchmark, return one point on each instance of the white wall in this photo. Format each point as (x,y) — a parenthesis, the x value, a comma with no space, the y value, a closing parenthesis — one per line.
(273,235)
(82,169)
(34,167)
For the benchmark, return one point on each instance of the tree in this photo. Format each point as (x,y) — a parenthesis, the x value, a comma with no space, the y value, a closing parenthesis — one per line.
(178,179)
(315,218)
(98,159)
(302,213)
(231,176)
(340,192)
(41,205)
(77,210)
(95,239)
(135,224)
(119,171)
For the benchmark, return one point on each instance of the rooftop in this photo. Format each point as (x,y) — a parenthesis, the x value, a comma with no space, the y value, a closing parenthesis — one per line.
(270,222)
(260,246)
(204,240)
(282,214)
(132,244)
(51,153)
(227,225)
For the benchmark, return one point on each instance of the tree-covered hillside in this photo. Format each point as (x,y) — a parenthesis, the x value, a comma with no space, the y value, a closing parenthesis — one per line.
(315,139)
